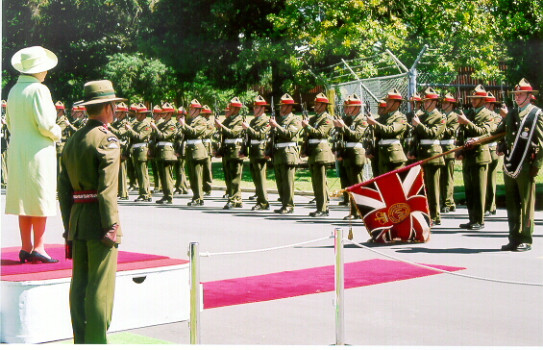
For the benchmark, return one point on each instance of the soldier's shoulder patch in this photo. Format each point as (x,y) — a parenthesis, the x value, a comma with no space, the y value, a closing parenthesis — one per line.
(147,128)
(442,121)
(112,139)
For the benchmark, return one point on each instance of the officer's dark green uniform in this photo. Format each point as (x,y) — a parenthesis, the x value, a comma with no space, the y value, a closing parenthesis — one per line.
(231,160)
(194,130)
(118,128)
(426,144)
(525,123)
(208,166)
(165,135)
(181,183)
(320,155)
(389,132)
(88,202)
(448,141)
(257,131)
(139,134)
(475,161)
(286,156)
(354,154)
(490,202)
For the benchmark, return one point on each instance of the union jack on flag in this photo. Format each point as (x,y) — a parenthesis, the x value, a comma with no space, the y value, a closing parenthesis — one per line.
(394,206)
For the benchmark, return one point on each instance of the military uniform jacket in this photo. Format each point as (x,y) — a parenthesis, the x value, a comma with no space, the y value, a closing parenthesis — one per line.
(139,138)
(165,138)
(353,135)
(118,128)
(232,130)
(448,139)
(427,135)
(287,133)
(389,127)
(194,131)
(90,162)
(65,132)
(508,126)
(493,146)
(481,124)
(408,135)
(208,136)
(317,133)
(258,132)
(153,139)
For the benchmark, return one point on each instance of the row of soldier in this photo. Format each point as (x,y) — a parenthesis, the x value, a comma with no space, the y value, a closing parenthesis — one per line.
(174,139)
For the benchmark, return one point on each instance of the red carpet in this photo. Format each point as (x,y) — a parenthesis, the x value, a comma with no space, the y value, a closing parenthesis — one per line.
(309,281)
(13,270)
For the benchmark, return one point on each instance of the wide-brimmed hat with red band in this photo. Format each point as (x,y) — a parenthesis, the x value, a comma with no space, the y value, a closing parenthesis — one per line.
(479,92)
(415,98)
(394,94)
(449,98)
(236,102)
(60,105)
(181,111)
(157,109)
(430,94)
(122,107)
(195,104)
(286,99)
(382,104)
(321,98)
(492,99)
(4,103)
(141,108)
(167,108)
(260,101)
(206,110)
(353,101)
(524,86)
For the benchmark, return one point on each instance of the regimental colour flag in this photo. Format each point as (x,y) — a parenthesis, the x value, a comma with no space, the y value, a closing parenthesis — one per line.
(394,206)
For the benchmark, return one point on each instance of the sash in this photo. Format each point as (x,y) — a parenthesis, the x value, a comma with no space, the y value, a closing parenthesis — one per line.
(514,160)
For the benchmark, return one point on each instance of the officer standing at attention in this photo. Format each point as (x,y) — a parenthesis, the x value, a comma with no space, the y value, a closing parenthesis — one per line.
(389,130)
(139,134)
(286,154)
(131,171)
(157,120)
(165,134)
(231,159)
(523,127)
(416,111)
(194,130)
(208,166)
(446,181)
(479,122)
(317,130)
(181,185)
(88,202)
(490,202)
(353,128)
(118,128)
(427,131)
(258,131)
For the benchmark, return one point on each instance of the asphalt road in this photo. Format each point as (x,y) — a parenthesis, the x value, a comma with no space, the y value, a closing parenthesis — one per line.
(441,310)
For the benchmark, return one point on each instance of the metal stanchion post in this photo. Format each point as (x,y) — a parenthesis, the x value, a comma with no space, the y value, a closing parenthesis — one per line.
(194,323)
(339,286)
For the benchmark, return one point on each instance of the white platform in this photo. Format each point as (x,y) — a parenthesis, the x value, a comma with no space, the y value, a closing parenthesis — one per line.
(38,311)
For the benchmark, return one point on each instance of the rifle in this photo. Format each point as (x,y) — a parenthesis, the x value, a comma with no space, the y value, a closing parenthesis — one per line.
(218,144)
(244,151)
(270,145)
(339,142)
(368,138)
(305,116)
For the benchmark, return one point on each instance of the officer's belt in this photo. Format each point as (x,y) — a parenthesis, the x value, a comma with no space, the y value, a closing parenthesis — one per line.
(194,142)
(138,145)
(447,142)
(85,196)
(164,143)
(257,142)
(230,141)
(353,145)
(315,141)
(285,144)
(428,142)
(389,142)
(206,140)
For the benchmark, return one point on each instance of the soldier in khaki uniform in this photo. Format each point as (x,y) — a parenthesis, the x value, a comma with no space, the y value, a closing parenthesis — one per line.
(427,131)
(194,130)
(353,128)
(232,161)
(286,154)
(479,122)
(416,111)
(490,202)
(181,184)
(65,128)
(165,134)
(523,159)
(118,128)
(446,181)
(388,131)
(258,131)
(139,134)
(130,171)
(153,161)
(208,166)
(88,202)
(316,132)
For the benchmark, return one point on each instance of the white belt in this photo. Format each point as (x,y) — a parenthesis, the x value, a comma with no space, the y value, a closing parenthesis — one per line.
(493,144)
(194,142)
(206,140)
(138,145)
(353,145)
(472,139)
(429,142)
(447,142)
(389,142)
(164,143)
(233,140)
(285,144)
(315,141)
(408,139)
(257,142)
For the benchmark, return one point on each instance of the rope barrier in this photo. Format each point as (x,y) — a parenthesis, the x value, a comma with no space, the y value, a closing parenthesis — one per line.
(208,254)
(445,271)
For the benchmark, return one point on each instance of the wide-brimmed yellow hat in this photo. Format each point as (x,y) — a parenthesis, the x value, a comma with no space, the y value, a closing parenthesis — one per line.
(99,91)
(394,94)
(260,101)
(430,94)
(449,98)
(33,59)
(524,86)
(321,98)
(60,105)
(236,102)
(479,92)
(353,101)
(286,99)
